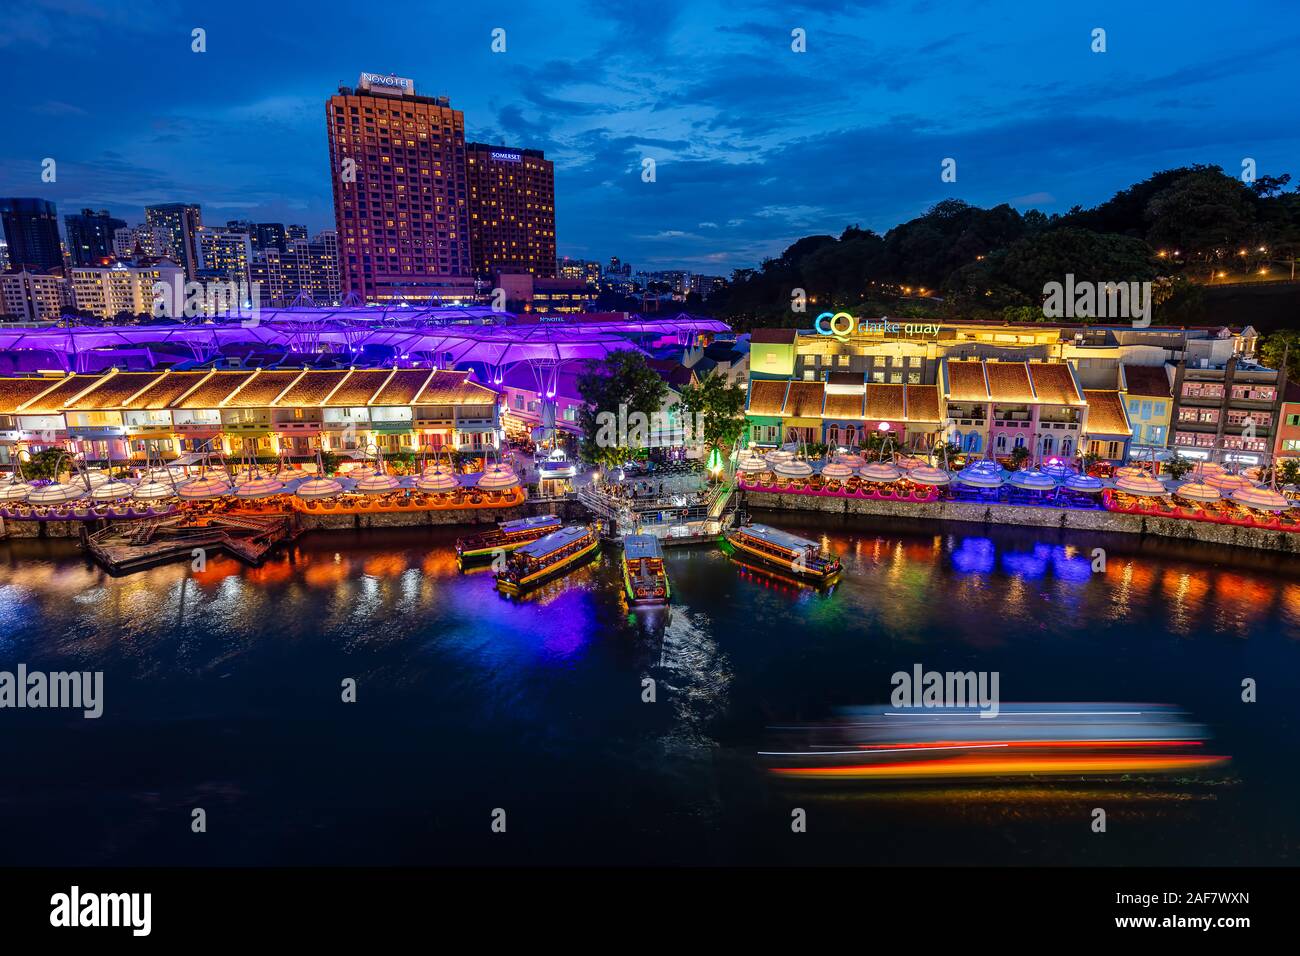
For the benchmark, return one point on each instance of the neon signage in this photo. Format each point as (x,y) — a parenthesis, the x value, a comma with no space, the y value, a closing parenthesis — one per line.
(841,325)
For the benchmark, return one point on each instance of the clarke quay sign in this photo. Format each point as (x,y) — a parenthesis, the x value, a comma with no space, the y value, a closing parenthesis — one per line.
(841,325)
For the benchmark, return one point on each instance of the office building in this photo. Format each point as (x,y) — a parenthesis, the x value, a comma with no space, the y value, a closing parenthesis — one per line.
(90,236)
(183,224)
(31,230)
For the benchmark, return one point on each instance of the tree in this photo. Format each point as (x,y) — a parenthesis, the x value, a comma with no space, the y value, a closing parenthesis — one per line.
(1279,348)
(1178,466)
(1288,471)
(47,463)
(718,410)
(612,390)
(1019,455)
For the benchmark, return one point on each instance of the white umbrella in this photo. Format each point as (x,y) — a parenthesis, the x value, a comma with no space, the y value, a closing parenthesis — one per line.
(200,488)
(499,478)
(1141,485)
(836,471)
(111,491)
(377,484)
(1266,499)
(319,488)
(15,491)
(1031,480)
(436,480)
(260,487)
(55,494)
(880,471)
(151,490)
(1198,491)
(928,475)
(793,468)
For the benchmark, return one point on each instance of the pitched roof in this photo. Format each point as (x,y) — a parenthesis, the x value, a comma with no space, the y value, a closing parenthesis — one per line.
(166,390)
(885,402)
(1054,384)
(805,399)
(1149,380)
(15,391)
(843,405)
(966,382)
(767,396)
(922,403)
(403,386)
(114,390)
(359,387)
(1008,382)
(1105,412)
(312,388)
(57,398)
(218,387)
(454,388)
(262,390)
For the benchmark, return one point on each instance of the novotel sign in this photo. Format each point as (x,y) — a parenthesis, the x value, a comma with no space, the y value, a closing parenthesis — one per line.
(387,83)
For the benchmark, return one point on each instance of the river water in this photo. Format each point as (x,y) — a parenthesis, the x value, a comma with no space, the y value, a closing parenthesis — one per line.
(222,691)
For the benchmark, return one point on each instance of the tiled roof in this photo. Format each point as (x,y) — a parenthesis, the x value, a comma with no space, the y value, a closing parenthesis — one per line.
(57,398)
(766,396)
(1105,412)
(166,390)
(403,387)
(454,388)
(1149,380)
(1054,383)
(885,402)
(114,390)
(966,382)
(804,400)
(842,405)
(312,388)
(263,389)
(214,390)
(15,391)
(359,387)
(923,403)
(1008,382)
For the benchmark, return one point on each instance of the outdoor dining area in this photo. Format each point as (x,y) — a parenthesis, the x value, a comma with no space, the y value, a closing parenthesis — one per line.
(1209,493)
(209,487)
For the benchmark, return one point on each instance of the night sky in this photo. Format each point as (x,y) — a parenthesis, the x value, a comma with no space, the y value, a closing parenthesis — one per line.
(755,145)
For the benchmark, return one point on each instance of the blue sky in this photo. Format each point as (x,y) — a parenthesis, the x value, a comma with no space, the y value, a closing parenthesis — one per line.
(755,145)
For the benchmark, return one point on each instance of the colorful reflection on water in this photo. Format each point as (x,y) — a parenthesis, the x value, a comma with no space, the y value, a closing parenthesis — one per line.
(223,686)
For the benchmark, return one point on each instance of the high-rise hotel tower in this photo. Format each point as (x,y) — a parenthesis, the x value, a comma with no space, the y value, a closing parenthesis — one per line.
(401,201)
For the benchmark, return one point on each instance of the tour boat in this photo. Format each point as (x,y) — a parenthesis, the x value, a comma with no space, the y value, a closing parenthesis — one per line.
(786,551)
(506,536)
(546,557)
(644,577)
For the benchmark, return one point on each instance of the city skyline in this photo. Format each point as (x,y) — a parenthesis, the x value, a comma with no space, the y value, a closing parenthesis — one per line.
(755,145)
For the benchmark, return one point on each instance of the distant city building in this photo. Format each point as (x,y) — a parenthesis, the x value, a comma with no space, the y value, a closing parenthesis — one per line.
(295,233)
(401,202)
(306,266)
(90,236)
(706,285)
(31,230)
(511,209)
(28,296)
(225,255)
(269,235)
(121,289)
(183,223)
(1288,431)
(4,255)
(588,270)
(141,240)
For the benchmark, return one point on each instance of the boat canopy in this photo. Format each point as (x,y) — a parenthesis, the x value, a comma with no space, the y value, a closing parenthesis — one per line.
(528,524)
(554,541)
(782,539)
(637,546)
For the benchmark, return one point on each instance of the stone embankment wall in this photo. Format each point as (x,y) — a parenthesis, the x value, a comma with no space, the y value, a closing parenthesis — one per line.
(1030,516)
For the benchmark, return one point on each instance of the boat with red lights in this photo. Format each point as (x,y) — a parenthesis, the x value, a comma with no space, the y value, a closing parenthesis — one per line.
(644,579)
(788,552)
(540,560)
(506,536)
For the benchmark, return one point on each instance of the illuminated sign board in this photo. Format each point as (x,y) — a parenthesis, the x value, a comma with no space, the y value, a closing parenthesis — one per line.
(506,156)
(381,83)
(841,325)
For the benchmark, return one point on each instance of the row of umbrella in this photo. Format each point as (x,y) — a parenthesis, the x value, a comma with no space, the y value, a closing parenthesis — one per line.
(1212,482)
(157,484)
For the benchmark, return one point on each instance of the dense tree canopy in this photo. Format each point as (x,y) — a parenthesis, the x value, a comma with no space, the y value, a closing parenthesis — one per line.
(1180,227)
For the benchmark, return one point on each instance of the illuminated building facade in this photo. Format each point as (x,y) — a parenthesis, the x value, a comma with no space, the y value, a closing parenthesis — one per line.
(181,224)
(120,289)
(120,416)
(31,232)
(401,202)
(33,296)
(90,236)
(511,210)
